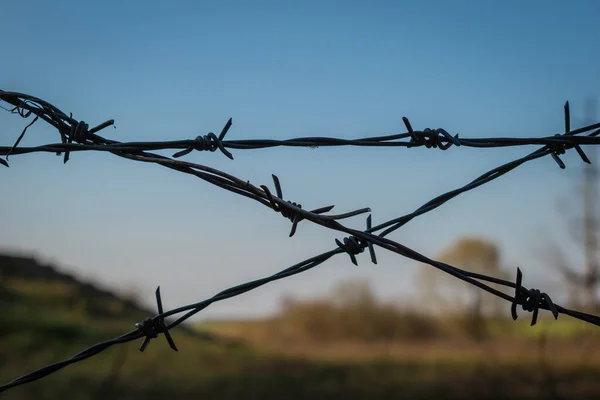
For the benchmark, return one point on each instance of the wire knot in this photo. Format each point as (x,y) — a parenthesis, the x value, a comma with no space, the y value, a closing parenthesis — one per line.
(209,142)
(436,138)
(152,327)
(353,246)
(289,212)
(79,132)
(149,328)
(560,148)
(530,300)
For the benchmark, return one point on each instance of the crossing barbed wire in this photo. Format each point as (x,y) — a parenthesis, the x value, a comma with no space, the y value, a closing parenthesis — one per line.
(87,139)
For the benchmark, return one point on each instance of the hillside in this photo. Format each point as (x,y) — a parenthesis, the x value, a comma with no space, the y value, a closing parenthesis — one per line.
(61,302)
(48,315)
(27,283)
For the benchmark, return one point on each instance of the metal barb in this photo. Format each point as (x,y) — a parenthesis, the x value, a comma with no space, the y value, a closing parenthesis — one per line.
(78,134)
(151,328)
(530,300)
(413,136)
(354,246)
(582,155)
(557,149)
(209,142)
(291,211)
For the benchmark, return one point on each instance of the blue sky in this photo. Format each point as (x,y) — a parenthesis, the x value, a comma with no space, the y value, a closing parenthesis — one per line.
(174,70)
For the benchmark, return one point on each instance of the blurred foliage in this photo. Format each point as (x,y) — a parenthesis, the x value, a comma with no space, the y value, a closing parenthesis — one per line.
(47,317)
(441,292)
(350,313)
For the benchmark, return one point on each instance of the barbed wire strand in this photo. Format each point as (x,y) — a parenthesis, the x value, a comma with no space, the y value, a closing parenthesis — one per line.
(530,300)
(430,138)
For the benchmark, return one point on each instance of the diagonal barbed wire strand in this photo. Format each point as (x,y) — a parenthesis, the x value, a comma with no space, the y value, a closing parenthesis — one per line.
(361,239)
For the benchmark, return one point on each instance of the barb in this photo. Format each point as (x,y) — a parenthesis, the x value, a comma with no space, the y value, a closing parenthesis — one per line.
(354,246)
(72,130)
(530,300)
(151,327)
(208,142)
(291,214)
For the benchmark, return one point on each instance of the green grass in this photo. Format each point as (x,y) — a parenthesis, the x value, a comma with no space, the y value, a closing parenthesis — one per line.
(204,371)
(45,322)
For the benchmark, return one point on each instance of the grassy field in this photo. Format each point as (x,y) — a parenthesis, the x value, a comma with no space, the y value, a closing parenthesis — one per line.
(46,320)
(344,370)
(228,369)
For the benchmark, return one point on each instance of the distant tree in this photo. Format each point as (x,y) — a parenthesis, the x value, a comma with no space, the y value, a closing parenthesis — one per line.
(441,292)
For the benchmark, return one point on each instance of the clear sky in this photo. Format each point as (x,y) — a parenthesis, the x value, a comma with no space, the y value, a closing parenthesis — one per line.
(174,70)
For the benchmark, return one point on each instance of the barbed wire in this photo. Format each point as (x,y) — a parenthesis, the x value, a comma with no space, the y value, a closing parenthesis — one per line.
(87,140)
(72,130)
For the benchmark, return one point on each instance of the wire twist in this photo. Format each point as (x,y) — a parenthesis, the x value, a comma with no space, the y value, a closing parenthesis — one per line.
(152,327)
(558,148)
(431,137)
(530,300)
(353,246)
(289,212)
(209,142)
(78,133)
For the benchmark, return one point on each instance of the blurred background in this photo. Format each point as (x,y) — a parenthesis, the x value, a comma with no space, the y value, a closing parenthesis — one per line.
(85,244)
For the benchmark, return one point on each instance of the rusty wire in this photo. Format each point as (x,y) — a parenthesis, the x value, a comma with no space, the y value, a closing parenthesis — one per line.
(72,130)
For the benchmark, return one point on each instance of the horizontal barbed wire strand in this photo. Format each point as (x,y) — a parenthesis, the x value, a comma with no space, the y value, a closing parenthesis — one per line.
(311,142)
(437,138)
(522,294)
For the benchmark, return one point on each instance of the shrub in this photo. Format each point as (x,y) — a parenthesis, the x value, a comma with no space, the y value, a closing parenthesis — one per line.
(352,313)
